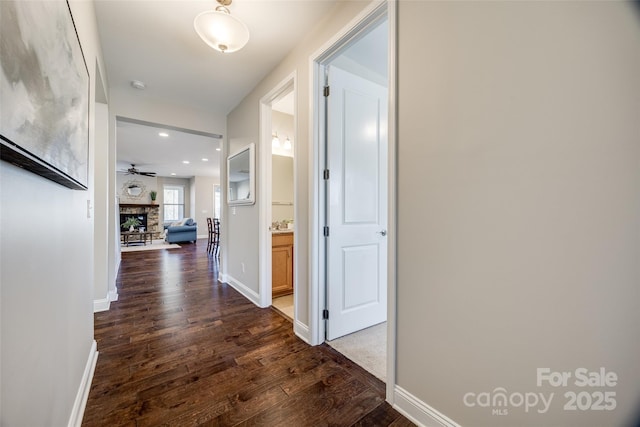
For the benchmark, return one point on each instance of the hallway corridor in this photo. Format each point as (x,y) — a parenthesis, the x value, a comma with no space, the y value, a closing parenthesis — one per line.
(181,349)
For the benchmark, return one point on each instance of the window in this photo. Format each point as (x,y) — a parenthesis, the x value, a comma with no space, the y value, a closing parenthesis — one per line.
(173,205)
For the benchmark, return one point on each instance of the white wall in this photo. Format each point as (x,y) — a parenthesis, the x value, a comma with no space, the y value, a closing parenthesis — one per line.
(46,280)
(203,201)
(101,208)
(519,204)
(150,183)
(131,103)
(115,255)
(241,232)
(282,167)
(284,125)
(282,188)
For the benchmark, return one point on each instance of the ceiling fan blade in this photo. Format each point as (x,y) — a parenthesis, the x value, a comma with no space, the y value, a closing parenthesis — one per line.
(147,173)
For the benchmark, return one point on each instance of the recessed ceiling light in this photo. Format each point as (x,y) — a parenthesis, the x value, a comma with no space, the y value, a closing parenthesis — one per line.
(173,174)
(163,134)
(186,162)
(205,160)
(218,149)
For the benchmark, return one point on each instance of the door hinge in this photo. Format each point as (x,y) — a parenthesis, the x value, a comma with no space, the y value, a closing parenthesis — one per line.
(325,174)
(325,314)
(326,231)
(326,91)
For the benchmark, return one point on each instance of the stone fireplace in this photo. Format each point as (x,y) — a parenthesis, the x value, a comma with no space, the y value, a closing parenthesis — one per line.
(142,217)
(151,214)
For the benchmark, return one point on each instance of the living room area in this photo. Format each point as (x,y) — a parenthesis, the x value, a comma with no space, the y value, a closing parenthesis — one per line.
(167,184)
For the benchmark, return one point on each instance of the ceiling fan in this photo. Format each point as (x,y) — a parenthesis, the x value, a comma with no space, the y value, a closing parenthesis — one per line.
(133,171)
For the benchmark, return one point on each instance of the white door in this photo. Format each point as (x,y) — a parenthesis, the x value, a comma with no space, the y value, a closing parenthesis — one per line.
(357,204)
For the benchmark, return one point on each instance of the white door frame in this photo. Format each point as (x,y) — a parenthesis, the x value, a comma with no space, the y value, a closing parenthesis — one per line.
(264,192)
(317,63)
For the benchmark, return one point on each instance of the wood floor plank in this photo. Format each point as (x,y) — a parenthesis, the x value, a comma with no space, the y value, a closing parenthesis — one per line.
(180,348)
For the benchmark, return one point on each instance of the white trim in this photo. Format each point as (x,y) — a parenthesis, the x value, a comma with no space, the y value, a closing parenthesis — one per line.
(77,412)
(223,277)
(347,32)
(316,274)
(392,200)
(118,259)
(301,330)
(101,304)
(265,183)
(248,293)
(264,211)
(104,304)
(316,159)
(419,412)
(113,295)
(317,60)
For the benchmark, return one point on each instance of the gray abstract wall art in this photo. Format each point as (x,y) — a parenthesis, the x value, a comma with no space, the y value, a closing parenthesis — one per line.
(44,92)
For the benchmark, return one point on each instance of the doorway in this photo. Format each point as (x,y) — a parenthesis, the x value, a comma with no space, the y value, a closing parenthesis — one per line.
(282,206)
(353,275)
(278,238)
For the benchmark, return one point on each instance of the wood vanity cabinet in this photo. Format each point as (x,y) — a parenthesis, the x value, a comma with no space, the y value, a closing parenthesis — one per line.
(281,264)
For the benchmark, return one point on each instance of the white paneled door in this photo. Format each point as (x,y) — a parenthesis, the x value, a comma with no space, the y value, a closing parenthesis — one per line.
(357,204)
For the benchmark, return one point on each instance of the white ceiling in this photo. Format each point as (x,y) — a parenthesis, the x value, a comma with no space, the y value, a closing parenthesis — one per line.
(141,145)
(154,41)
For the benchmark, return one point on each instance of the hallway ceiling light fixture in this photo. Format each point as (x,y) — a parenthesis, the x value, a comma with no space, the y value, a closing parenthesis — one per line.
(275,142)
(287,144)
(220,30)
(163,134)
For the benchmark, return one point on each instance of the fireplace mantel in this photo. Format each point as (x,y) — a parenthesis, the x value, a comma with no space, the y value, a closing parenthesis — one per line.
(137,205)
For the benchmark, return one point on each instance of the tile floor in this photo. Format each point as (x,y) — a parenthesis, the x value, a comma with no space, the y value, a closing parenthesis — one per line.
(285,305)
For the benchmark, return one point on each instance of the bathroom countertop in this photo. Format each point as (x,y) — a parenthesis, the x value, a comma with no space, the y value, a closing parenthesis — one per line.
(281,231)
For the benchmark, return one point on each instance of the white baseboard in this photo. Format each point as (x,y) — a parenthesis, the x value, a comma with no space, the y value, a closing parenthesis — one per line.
(223,278)
(77,412)
(250,294)
(101,304)
(302,331)
(419,412)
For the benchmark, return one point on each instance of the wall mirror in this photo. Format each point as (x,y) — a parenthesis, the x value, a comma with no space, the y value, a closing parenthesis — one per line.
(133,189)
(241,176)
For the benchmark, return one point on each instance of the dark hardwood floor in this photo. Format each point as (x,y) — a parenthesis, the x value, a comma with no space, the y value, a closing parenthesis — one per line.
(181,349)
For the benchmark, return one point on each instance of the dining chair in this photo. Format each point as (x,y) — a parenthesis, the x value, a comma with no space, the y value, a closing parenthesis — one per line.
(210,235)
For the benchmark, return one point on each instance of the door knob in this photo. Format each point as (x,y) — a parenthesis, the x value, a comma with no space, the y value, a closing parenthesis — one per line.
(382,233)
